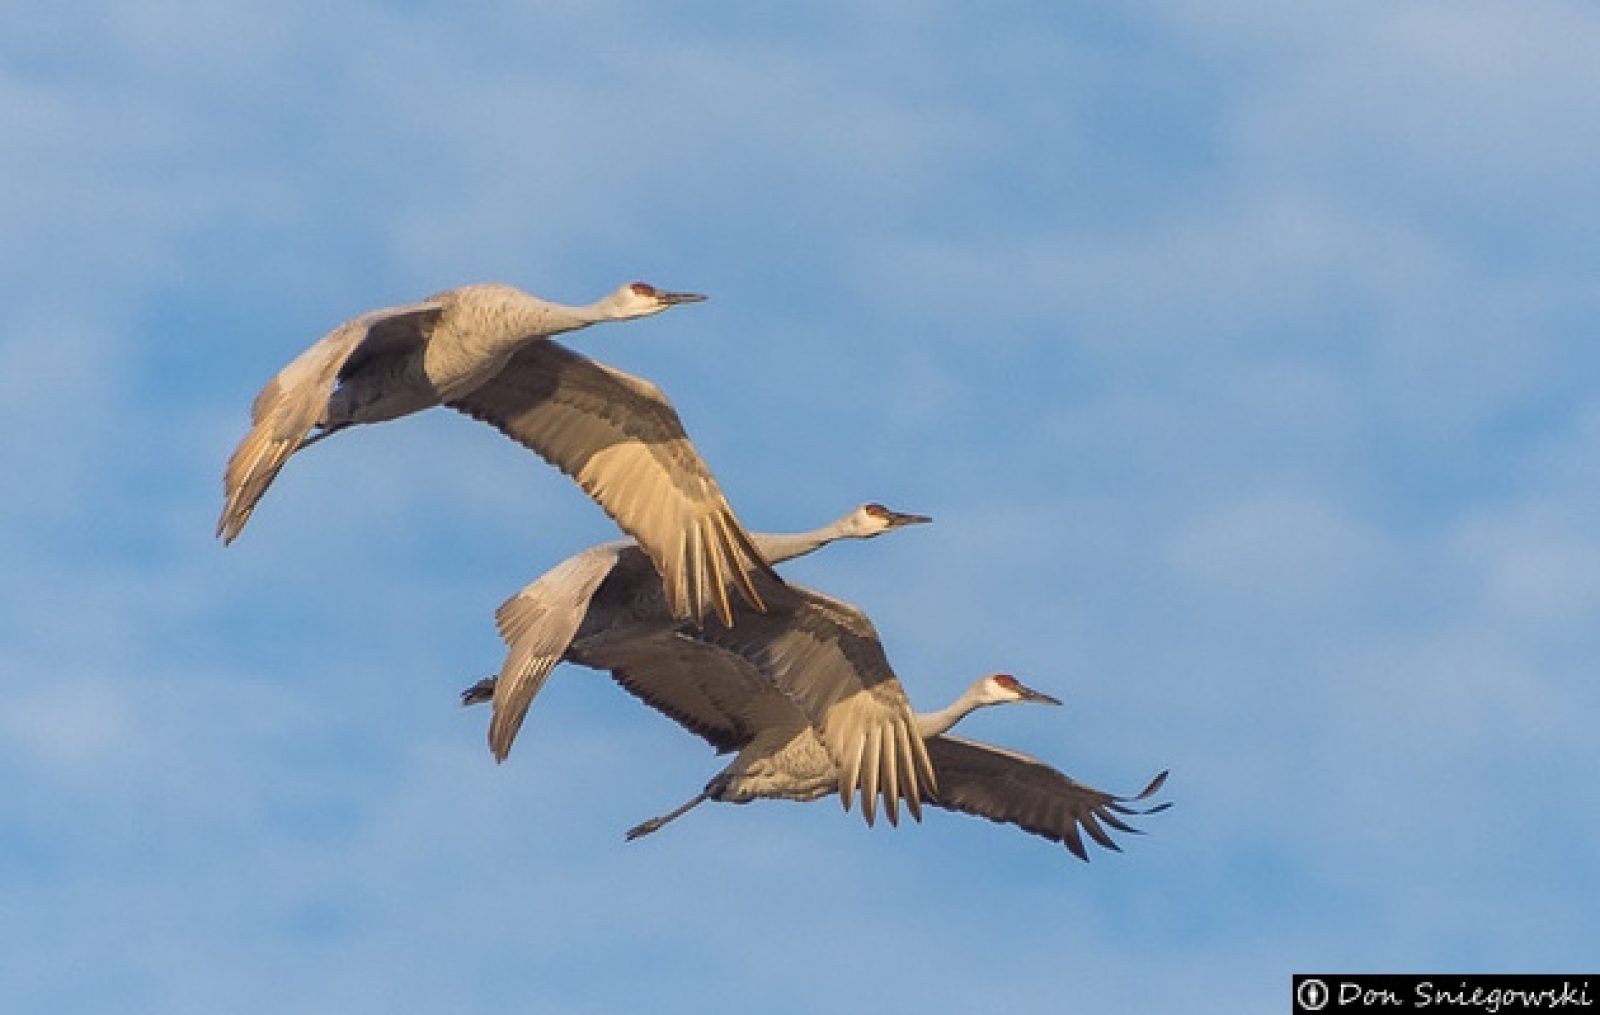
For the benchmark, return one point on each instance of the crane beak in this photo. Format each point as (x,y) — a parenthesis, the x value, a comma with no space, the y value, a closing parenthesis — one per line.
(1029,694)
(673,299)
(895,519)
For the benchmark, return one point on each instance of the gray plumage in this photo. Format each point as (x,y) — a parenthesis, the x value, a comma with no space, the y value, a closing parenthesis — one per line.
(826,658)
(722,698)
(610,593)
(817,653)
(485,350)
(1010,787)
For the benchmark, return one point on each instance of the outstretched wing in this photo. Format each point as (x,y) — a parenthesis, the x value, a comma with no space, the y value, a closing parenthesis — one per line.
(620,438)
(537,624)
(704,688)
(825,655)
(292,402)
(1014,788)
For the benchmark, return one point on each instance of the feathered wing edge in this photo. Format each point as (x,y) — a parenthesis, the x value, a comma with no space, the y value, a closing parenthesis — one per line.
(619,438)
(537,625)
(1009,787)
(290,404)
(824,655)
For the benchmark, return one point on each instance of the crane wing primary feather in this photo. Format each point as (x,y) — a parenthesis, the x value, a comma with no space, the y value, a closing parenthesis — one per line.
(826,657)
(1014,788)
(297,397)
(623,443)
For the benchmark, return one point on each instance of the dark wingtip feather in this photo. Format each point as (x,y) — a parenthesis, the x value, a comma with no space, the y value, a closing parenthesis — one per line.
(1099,834)
(1155,784)
(1115,822)
(1074,843)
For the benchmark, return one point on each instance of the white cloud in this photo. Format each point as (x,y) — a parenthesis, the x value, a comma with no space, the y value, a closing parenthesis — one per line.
(1279,552)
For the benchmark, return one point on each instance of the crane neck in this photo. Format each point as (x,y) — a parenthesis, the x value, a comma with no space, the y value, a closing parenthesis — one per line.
(542,318)
(558,318)
(778,547)
(495,318)
(931,724)
(610,307)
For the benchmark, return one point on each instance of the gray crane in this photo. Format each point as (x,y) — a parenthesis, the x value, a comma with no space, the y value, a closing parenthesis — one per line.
(723,698)
(485,350)
(610,593)
(608,596)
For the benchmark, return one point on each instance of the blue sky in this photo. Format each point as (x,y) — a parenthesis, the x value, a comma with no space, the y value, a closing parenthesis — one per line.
(1245,357)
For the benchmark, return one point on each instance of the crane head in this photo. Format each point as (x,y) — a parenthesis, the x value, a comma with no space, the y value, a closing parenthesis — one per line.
(999,688)
(874,519)
(640,299)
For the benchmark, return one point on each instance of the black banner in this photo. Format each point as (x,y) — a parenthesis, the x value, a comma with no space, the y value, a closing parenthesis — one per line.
(1445,993)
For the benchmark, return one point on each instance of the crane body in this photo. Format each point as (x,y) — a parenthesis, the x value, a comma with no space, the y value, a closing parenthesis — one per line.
(486,351)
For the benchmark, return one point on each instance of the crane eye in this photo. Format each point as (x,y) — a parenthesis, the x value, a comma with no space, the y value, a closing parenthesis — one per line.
(642,289)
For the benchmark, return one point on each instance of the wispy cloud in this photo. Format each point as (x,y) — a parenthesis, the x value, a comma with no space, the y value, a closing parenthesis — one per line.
(1241,357)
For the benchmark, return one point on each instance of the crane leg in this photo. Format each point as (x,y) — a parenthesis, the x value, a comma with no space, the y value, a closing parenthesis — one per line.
(480,692)
(327,431)
(646,827)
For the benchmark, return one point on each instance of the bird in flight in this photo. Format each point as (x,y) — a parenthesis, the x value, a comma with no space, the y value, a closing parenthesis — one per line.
(486,350)
(609,593)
